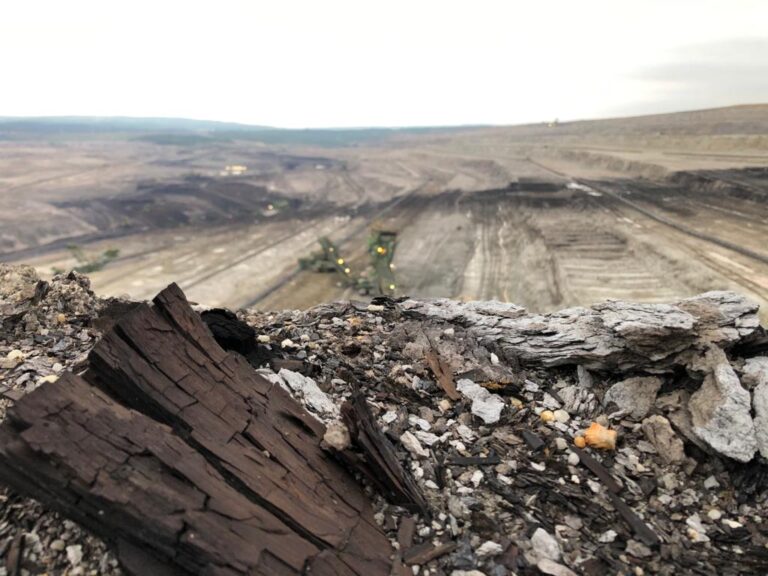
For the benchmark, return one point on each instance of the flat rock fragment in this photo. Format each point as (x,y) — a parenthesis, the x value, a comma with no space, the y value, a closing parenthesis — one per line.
(721,411)
(756,374)
(545,545)
(633,397)
(485,405)
(668,445)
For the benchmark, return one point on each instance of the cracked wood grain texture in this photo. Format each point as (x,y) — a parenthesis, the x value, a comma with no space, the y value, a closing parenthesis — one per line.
(187,460)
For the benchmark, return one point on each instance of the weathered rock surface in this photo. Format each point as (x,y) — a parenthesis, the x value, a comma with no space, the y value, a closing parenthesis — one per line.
(659,433)
(613,335)
(756,375)
(545,545)
(721,410)
(633,397)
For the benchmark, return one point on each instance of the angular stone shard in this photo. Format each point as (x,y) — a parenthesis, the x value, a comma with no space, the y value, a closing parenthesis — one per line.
(659,433)
(633,397)
(721,410)
(756,375)
(485,405)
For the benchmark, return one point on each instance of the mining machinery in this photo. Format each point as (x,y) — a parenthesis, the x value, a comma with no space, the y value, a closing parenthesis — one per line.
(378,278)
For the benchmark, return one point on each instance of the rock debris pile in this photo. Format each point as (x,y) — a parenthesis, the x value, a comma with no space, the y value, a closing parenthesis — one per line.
(618,439)
(45,330)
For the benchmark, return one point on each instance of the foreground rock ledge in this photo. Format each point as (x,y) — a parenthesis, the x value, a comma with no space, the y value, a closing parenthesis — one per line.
(201,466)
(622,337)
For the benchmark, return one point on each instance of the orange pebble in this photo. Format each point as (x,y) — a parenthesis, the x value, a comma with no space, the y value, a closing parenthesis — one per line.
(599,436)
(547,416)
(579,441)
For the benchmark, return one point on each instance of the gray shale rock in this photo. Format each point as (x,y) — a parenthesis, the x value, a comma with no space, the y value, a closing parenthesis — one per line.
(613,335)
(659,433)
(721,410)
(634,397)
(756,374)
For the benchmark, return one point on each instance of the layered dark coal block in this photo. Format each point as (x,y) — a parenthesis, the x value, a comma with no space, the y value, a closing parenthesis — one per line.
(187,460)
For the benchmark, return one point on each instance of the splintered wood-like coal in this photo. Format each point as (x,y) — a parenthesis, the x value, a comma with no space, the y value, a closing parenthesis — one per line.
(188,460)
(378,462)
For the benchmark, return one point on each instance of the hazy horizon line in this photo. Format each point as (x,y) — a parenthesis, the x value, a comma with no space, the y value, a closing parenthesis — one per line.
(42,117)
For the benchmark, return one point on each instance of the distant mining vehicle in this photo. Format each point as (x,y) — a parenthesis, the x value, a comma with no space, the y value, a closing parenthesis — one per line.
(327,260)
(381,248)
(379,278)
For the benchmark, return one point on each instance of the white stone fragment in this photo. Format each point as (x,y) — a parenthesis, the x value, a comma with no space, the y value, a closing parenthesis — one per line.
(75,555)
(711,483)
(427,437)
(545,545)
(309,393)
(414,420)
(337,436)
(412,444)
(489,548)
(607,537)
(485,405)
(714,514)
(562,416)
(694,521)
(389,417)
(465,432)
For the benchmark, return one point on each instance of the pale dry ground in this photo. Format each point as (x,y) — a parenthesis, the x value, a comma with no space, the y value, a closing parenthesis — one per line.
(453,241)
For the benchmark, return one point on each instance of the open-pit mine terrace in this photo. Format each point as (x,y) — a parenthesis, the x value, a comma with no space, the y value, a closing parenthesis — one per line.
(648,209)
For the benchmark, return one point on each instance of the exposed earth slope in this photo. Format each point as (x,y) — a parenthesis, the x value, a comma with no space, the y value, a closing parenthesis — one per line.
(644,208)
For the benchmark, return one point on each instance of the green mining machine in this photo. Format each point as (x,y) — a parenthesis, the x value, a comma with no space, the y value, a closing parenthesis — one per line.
(327,260)
(378,278)
(381,249)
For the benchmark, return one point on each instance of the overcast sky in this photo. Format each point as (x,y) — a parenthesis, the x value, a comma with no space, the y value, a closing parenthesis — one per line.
(322,63)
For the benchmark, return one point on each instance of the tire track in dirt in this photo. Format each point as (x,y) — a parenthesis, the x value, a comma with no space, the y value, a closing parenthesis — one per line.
(728,271)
